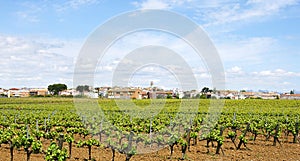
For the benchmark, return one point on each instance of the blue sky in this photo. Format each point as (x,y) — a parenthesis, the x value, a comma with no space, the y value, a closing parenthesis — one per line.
(258,41)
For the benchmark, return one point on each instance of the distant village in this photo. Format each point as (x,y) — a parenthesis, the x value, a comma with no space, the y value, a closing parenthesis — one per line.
(147,93)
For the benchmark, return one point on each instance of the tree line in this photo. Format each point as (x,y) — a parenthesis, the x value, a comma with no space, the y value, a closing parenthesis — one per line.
(55,89)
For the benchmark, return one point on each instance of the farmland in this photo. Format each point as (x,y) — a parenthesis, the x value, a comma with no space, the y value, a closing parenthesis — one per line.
(61,129)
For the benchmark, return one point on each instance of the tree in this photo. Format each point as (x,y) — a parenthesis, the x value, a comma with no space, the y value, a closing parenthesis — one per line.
(169,96)
(98,90)
(56,88)
(204,93)
(214,90)
(83,88)
(292,92)
(206,90)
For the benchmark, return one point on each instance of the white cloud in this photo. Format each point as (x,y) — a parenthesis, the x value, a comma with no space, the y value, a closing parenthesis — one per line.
(74,4)
(78,3)
(152,4)
(204,75)
(274,5)
(242,11)
(276,73)
(28,16)
(10,44)
(273,80)
(31,11)
(160,4)
(26,62)
(214,12)
(32,64)
(129,43)
(250,50)
(107,68)
(243,54)
(235,70)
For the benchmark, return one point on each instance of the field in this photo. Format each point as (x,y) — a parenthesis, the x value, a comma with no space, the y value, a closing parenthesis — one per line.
(63,129)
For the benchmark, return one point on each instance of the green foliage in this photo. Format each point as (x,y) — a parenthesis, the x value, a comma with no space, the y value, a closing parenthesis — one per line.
(69,138)
(37,147)
(243,138)
(214,135)
(83,88)
(90,142)
(194,135)
(51,135)
(169,96)
(38,134)
(56,88)
(58,115)
(231,134)
(205,90)
(59,129)
(203,96)
(173,139)
(53,153)
(182,142)
(26,141)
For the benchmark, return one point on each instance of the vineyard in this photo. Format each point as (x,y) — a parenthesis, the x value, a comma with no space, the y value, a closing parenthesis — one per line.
(55,129)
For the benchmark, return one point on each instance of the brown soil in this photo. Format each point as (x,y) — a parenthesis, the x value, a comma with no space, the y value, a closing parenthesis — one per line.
(258,150)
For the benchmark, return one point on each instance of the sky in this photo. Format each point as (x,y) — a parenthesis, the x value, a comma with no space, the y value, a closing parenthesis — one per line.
(258,42)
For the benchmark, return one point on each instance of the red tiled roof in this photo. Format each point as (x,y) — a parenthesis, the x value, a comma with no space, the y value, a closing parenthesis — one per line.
(292,95)
(14,89)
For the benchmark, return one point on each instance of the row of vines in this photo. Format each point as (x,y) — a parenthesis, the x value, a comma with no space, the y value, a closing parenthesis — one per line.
(53,126)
